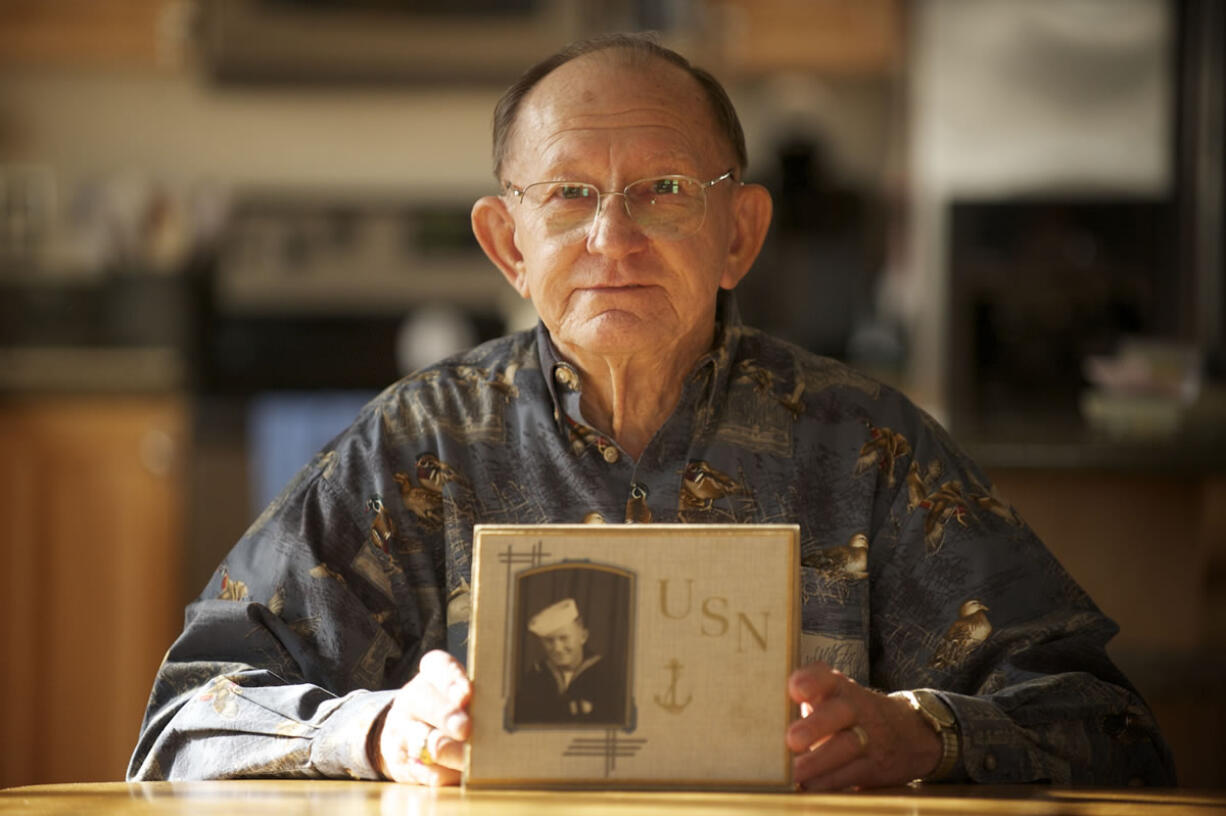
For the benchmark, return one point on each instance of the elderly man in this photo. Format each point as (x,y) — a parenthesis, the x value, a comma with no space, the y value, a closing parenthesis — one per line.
(941,641)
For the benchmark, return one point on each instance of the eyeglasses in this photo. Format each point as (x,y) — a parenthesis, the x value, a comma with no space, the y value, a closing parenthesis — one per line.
(666,208)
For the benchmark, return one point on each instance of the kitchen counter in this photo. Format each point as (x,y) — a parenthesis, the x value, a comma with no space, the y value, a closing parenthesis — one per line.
(1198,447)
(89,369)
(116,333)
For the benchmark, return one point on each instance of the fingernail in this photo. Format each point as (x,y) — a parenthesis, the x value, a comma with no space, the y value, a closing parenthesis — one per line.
(807,687)
(456,724)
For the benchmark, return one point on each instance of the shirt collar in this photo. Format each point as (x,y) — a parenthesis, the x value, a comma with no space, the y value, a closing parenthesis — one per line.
(551,362)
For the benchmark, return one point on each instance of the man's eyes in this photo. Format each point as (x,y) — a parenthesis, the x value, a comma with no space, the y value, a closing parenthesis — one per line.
(666,186)
(572,191)
(579,192)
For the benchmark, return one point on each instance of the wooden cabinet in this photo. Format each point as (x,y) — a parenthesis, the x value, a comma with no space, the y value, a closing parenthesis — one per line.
(1150,548)
(834,37)
(134,34)
(91,524)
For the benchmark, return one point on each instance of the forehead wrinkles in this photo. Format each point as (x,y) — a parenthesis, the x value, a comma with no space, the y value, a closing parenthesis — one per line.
(565,142)
(666,135)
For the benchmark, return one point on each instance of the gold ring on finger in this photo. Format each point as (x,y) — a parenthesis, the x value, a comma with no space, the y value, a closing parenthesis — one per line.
(424,754)
(860,734)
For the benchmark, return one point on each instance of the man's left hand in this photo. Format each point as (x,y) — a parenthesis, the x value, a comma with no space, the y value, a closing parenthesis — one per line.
(852,737)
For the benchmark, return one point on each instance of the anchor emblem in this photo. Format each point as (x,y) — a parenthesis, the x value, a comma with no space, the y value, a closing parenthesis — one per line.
(669,703)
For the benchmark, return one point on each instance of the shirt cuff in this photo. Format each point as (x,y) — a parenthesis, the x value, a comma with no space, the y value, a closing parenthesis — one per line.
(338,750)
(995,749)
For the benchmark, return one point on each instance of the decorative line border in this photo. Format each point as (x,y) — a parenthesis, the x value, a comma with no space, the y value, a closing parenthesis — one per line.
(610,746)
(510,557)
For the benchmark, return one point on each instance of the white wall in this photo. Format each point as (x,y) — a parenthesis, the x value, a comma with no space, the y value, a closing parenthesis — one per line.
(1011,97)
(177,127)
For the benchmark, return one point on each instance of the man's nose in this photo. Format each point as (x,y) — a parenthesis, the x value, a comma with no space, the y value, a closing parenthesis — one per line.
(613,232)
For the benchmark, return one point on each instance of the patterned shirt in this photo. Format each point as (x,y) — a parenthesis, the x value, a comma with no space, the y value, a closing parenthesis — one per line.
(914,572)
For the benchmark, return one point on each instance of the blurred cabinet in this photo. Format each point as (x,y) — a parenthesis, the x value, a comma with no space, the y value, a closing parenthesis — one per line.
(141,34)
(91,521)
(838,37)
(1150,548)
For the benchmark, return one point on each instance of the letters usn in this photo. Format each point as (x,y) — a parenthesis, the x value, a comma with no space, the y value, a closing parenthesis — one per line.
(714,617)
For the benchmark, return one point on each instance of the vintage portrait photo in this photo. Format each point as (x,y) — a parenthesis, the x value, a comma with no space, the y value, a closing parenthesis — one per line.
(618,655)
(573,632)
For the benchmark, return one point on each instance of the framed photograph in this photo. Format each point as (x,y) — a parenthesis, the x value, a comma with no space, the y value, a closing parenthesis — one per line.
(632,656)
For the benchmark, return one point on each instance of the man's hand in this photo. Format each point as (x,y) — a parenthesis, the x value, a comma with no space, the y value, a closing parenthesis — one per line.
(421,736)
(851,737)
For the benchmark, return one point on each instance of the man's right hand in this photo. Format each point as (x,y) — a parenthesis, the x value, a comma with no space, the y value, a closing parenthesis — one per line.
(421,735)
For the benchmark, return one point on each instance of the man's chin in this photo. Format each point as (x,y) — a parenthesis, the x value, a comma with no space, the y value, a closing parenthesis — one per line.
(617,331)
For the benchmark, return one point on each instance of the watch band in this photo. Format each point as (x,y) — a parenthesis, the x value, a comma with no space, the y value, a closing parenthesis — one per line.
(949,756)
(941,719)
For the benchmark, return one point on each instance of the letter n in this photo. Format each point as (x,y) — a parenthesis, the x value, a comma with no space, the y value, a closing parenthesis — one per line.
(745,623)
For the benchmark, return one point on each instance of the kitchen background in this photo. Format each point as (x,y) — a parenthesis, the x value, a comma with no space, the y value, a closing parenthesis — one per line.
(225,224)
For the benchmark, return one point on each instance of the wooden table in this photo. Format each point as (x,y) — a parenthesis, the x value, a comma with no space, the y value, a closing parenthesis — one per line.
(271,797)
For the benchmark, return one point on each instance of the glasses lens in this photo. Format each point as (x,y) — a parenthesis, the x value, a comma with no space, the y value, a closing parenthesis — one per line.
(564,207)
(668,207)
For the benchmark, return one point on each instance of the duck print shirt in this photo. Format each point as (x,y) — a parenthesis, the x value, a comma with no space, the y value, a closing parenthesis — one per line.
(914,572)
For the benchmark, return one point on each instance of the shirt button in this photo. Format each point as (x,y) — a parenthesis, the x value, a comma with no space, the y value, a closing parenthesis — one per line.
(565,375)
(610,454)
(989,762)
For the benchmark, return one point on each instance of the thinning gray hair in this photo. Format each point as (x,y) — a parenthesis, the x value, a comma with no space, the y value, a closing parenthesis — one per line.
(642,45)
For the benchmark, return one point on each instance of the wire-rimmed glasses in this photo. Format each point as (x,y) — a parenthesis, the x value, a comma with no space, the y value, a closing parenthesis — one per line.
(665,208)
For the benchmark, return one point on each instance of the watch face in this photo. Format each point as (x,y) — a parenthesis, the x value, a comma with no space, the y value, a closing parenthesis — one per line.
(935,708)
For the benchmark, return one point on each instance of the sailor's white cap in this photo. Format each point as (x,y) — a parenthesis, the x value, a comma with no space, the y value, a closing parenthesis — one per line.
(553,617)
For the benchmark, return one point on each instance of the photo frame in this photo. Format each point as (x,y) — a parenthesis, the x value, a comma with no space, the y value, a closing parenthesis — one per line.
(632,656)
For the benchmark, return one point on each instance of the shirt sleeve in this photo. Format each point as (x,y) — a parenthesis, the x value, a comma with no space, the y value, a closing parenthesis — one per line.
(967,601)
(320,612)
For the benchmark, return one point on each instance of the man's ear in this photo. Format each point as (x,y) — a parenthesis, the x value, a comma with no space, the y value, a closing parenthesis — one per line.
(751,218)
(495,232)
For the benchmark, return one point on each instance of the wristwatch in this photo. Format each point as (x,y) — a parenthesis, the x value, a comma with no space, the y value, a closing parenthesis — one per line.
(941,719)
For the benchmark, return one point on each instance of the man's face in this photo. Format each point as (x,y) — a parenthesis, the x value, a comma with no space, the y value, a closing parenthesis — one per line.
(615,290)
(564,646)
